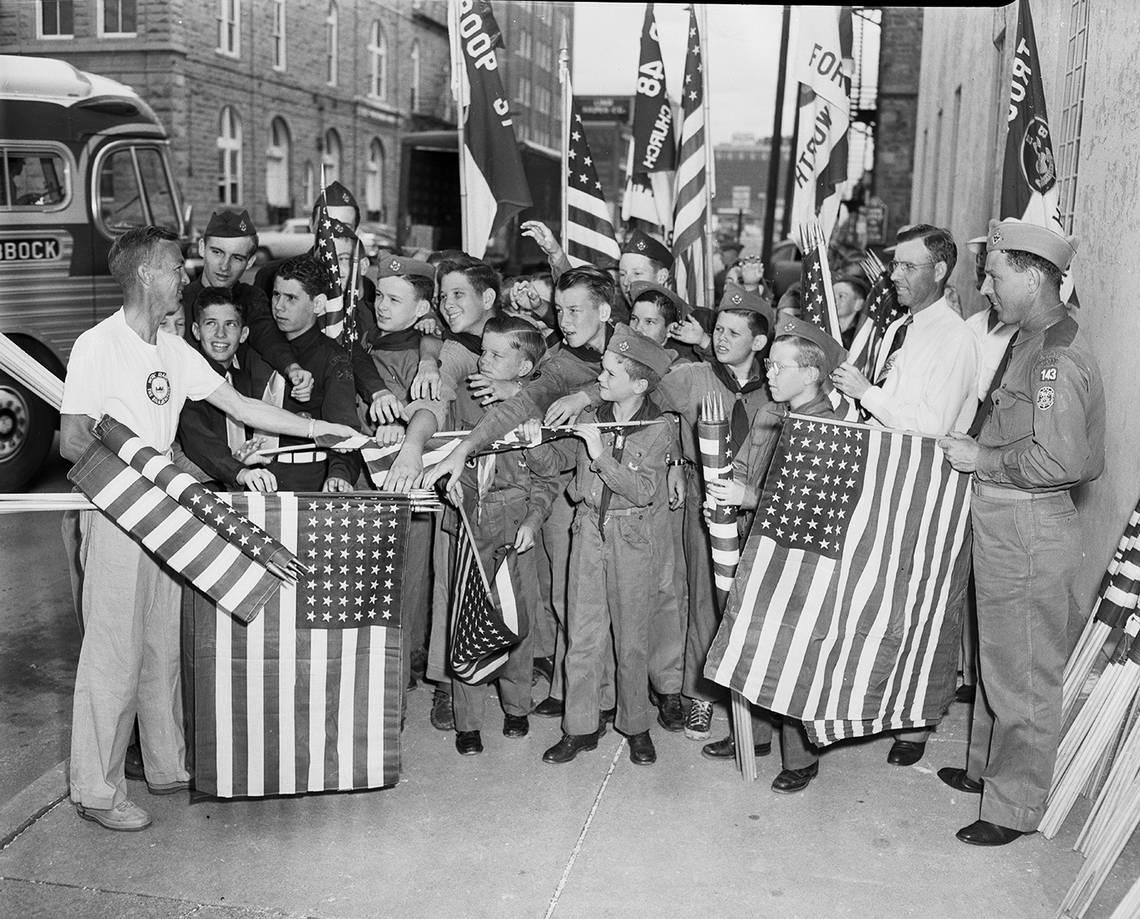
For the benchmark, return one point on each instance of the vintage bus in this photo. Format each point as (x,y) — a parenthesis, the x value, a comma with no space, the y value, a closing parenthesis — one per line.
(82,158)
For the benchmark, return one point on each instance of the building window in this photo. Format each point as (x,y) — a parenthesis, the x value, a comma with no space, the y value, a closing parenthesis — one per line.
(524,91)
(277,184)
(308,185)
(331,158)
(229,27)
(1073,110)
(117,17)
(414,101)
(229,157)
(378,62)
(55,19)
(374,184)
(278,35)
(332,37)
(524,43)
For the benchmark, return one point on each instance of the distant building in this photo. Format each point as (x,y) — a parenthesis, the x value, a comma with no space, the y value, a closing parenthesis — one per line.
(258,95)
(741,168)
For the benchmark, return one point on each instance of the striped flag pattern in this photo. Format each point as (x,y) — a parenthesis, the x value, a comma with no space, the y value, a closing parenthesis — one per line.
(690,225)
(238,583)
(306,698)
(845,612)
(332,320)
(881,309)
(714,437)
(378,458)
(590,237)
(815,282)
(485,622)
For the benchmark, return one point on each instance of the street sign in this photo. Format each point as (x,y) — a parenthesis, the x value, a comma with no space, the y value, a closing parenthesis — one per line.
(741,197)
(604,108)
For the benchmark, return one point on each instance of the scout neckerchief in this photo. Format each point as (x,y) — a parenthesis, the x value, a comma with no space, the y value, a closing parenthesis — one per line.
(739,426)
(588,354)
(647,412)
(405,340)
(470,341)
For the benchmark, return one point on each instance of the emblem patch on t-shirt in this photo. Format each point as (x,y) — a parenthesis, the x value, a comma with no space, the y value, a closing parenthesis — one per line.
(1045,396)
(158,387)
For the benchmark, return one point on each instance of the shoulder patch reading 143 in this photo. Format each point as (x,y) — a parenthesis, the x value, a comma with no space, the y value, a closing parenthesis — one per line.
(1045,397)
(1049,373)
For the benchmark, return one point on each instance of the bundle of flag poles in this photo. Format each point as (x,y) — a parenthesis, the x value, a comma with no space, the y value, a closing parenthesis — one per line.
(27,370)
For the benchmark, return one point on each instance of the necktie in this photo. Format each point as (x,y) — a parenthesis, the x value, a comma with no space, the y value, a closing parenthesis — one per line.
(896,344)
(988,402)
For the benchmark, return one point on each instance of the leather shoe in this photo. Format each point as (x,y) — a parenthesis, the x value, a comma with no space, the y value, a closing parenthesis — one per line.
(125,817)
(726,748)
(789,781)
(965,693)
(670,712)
(570,746)
(957,778)
(468,742)
(984,833)
(133,764)
(542,668)
(442,714)
(641,751)
(549,707)
(906,752)
(607,715)
(516,725)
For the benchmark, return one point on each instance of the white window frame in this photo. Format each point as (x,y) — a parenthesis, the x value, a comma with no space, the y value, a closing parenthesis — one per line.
(230,172)
(59,36)
(374,182)
(101,20)
(278,35)
(377,61)
(229,28)
(308,184)
(417,86)
(278,154)
(334,166)
(332,40)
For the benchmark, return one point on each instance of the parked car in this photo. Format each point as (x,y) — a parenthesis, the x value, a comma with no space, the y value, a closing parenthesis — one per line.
(283,241)
(377,236)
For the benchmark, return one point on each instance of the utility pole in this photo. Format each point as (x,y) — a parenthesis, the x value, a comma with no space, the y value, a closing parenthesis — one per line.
(777,141)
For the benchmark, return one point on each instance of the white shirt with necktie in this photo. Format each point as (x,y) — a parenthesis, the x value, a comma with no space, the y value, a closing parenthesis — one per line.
(932,384)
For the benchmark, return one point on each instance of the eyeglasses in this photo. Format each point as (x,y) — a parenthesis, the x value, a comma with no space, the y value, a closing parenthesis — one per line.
(907,267)
(771,366)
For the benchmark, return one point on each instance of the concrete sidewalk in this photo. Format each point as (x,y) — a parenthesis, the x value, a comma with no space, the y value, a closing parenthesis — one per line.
(504,835)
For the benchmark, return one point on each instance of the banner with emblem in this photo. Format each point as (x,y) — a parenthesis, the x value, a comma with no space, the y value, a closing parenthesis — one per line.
(1029,188)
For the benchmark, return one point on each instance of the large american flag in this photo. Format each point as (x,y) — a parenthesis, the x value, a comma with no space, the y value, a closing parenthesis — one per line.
(179,522)
(307,696)
(690,225)
(845,611)
(590,235)
(485,622)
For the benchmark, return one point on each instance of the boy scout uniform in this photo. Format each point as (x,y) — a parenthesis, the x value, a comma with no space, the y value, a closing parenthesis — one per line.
(1045,435)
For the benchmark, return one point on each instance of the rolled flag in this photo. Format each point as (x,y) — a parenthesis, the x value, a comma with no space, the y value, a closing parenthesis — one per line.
(713,438)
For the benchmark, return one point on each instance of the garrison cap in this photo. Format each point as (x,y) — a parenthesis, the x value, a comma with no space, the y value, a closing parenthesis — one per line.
(640,243)
(230,225)
(340,230)
(1012,233)
(833,352)
(638,289)
(737,298)
(627,343)
(396,266)
(336,195)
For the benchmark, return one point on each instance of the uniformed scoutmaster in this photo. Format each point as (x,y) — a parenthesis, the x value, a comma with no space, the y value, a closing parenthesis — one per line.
(1040,434)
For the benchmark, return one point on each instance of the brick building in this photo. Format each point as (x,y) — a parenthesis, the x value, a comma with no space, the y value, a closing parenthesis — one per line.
(742,175)
(257,95)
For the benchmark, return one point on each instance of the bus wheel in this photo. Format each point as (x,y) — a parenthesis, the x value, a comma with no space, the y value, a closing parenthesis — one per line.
(27,425)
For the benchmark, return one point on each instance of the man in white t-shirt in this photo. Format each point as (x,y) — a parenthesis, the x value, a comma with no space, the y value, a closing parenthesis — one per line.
(930,384)
(126,367)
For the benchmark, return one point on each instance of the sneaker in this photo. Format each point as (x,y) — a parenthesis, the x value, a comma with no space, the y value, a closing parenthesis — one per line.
(670,712)
(442,717)
(698,723)
(125,817)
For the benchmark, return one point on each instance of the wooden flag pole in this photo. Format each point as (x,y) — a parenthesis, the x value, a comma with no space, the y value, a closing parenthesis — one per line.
(459,81)
(567,109)
(710,160)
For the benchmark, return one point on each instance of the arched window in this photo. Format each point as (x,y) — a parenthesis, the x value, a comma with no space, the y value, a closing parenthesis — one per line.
(309,185)
(277,164)
(414,102)
(378,61)
(332,37)
(374,185)
(229,157)
(332,156)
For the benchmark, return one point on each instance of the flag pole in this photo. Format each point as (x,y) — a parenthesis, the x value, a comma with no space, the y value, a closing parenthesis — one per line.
(459,78)
(710,172)
(567,108)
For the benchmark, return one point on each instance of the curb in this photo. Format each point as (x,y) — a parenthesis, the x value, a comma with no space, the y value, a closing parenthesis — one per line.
(21,811)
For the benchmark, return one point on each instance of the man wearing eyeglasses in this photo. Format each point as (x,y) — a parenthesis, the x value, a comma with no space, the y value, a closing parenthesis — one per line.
(929,384)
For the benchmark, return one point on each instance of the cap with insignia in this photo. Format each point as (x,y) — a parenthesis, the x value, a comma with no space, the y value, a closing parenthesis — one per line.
(1012,233)
(230,224)
(336,195)
(627,343)
(833,352)
(341,230)
(396,266)
(737,298)
(640,243)
(638,289)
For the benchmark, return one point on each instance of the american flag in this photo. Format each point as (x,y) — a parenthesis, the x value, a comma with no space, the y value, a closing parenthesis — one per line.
(590,235)
(816,293)
(378,458)
(690,224)
(880,310)
(333,322)
(485,621)
(307,697)
(845,611)
(220,553)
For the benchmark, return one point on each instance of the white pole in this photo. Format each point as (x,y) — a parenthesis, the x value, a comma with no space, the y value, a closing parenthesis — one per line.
(567,108)
(462,94)
(710,172)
